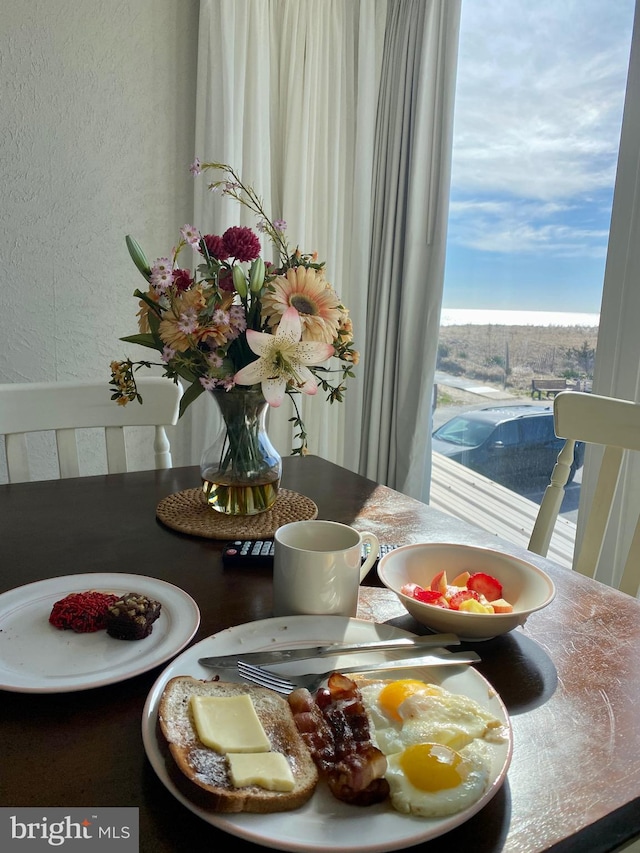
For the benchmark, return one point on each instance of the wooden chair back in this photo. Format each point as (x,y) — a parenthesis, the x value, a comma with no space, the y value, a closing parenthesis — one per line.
(64,407)
(615,425)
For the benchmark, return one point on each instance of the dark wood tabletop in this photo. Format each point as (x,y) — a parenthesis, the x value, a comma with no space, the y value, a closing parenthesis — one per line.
(570,678)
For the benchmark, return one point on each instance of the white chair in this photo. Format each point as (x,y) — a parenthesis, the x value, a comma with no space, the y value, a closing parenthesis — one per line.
(614,424)
(64,407)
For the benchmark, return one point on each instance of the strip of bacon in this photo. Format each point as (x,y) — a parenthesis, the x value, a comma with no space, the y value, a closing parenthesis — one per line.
(335,727)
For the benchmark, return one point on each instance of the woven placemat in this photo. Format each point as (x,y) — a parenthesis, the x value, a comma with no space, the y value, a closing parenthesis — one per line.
(188,512)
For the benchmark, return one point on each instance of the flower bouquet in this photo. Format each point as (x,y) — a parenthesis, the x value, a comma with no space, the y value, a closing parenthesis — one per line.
(240,326)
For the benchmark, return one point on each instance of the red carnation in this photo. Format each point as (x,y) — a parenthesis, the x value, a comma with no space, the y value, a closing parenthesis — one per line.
(215,247)
(225,280)
(241,243)
(182,279)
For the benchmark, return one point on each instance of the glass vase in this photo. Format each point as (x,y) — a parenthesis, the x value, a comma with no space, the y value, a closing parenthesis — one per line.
(241,470)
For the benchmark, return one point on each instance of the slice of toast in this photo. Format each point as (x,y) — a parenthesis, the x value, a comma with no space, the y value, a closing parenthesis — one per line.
(208,769)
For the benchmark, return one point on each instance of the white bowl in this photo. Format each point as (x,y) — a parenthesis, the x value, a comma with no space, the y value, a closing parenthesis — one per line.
(525,586)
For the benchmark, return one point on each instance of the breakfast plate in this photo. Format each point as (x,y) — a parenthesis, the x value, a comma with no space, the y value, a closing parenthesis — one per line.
(323,823)
(36,657)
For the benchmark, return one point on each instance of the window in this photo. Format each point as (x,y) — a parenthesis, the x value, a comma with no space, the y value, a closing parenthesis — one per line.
(539,100)
(509,434)
(465,432)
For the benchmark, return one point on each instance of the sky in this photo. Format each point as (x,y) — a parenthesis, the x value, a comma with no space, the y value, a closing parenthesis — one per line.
(539,101)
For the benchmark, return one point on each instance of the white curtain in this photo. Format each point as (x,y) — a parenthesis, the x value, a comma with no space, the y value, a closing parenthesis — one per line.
(289,94)
(617,369)
(411,206)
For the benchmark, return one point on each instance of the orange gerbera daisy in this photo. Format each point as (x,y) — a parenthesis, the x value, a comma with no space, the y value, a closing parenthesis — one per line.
(179,325)
(220,330)
(306,290)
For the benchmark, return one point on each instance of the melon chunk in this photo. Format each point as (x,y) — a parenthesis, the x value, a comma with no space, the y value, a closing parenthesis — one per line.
(501,606)
(439,583)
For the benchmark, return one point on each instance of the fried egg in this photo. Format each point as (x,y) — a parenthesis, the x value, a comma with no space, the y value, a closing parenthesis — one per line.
(409,711)
(433,780)
(437,744)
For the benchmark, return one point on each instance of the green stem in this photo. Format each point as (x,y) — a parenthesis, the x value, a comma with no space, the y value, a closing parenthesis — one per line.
(241,471)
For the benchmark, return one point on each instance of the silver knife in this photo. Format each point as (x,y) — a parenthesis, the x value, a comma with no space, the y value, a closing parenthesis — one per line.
(443,659)
(413,645)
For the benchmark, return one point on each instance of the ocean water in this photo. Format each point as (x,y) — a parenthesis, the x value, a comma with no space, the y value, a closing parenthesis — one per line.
(497,317)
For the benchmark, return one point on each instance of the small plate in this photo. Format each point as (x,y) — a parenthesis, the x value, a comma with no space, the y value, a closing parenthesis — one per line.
(35,657)
(323,823)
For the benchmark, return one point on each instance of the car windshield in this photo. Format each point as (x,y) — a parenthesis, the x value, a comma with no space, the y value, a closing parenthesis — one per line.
(464,431)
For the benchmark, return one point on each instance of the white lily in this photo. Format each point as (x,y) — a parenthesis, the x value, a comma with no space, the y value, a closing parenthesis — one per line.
(283,359)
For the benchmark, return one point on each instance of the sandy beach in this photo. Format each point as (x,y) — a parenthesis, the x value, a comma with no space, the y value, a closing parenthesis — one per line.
(510,357)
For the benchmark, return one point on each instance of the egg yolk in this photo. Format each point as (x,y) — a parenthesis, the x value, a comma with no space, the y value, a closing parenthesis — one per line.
(394,694)
(433,767)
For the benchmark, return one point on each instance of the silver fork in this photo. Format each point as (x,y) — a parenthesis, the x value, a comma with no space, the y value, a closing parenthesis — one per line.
(286,684)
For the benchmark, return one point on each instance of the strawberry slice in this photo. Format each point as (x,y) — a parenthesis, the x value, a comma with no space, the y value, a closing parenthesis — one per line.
(485,585)
(428,596)
(464,595)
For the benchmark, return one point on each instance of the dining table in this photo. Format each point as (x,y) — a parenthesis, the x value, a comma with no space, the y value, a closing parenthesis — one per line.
(569,677)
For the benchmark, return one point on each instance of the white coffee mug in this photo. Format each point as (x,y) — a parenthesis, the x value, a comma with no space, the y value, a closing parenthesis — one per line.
(317,568)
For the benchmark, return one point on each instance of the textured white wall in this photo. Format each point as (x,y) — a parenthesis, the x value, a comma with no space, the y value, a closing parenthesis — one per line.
(97,132)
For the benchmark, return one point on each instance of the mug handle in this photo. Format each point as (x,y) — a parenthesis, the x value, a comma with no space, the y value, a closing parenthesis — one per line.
(372,539)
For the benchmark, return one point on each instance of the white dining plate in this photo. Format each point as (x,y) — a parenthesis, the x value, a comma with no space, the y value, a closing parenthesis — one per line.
(36,657)
(323,823)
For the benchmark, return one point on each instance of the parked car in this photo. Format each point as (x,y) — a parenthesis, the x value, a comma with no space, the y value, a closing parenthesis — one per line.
(505,443)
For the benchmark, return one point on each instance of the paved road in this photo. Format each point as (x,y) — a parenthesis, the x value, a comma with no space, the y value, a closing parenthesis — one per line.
(488,397)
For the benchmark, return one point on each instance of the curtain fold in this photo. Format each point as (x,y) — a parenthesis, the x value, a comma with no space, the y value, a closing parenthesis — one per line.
(410,210)
(288,93)
(233,92)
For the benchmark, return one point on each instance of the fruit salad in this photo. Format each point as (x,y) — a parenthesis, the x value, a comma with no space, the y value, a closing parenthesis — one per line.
(471,593)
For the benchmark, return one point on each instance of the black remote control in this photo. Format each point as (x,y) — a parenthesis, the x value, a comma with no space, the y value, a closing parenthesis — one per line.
(259,552)
(248,552)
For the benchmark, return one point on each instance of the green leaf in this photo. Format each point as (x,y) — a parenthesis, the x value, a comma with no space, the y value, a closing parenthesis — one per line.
(148,301)
(192,393)
(145,340)
(185,373)
(154,323)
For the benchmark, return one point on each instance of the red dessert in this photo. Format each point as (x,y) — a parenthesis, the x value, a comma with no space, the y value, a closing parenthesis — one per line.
(82,612)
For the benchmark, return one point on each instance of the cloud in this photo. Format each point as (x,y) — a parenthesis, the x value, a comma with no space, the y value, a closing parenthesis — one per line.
(539,101)
(539,97)
(525,227)
(524,238)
